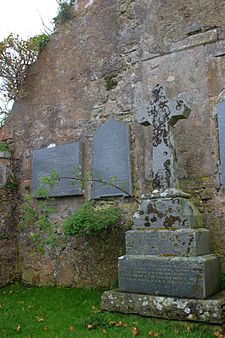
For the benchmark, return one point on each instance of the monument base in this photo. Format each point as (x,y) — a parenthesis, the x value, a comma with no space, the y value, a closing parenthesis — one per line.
(211,310)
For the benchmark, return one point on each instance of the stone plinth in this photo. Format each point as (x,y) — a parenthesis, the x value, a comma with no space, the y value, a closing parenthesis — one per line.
(210,310)
(185,277)
(181,242)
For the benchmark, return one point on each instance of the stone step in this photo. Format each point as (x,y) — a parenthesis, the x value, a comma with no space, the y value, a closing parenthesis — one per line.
(210,310)
(181,242)
(186,277)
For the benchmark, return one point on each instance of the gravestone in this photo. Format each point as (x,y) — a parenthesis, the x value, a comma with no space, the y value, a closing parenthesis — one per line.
(66,160)
(111,160)
(221,129)
(168,269)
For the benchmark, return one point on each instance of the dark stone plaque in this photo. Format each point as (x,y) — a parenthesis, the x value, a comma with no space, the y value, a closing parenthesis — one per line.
(64,159)
(111,159)
(188,277)
(221,127)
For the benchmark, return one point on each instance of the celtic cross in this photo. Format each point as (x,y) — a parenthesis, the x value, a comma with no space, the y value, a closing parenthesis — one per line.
(163,114)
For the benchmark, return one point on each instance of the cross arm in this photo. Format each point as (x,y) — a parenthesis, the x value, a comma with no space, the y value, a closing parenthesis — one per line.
(144,116)
(179,110)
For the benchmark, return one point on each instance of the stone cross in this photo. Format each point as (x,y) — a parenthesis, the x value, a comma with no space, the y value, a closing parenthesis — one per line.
(163,114)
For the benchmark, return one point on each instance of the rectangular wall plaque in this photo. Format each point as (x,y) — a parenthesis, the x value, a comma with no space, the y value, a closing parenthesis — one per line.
(65,160)
(111,159)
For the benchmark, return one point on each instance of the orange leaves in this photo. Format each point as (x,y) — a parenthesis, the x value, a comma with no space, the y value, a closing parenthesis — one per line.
(218,334)
(134,331)
(40,320)
(117,324)
(153,334)
(70,329)
(18,328)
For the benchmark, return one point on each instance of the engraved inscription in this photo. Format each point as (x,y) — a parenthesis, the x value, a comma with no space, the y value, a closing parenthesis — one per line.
(169,277)
(64,159)
(111,159)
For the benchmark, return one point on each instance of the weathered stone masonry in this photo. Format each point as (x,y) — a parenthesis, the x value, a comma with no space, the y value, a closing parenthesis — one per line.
(138,44)
(8,231)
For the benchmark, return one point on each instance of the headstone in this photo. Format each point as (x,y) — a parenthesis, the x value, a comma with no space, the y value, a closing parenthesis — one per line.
(221,128)
(66,160)
(111,160)
(166,257)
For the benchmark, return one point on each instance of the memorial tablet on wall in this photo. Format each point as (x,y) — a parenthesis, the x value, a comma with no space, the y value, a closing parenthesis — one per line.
(111,159)
(65,160)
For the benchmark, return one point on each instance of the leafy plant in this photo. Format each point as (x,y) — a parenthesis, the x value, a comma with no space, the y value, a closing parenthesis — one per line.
(90,220)
(4,147)
(110,82)
(16,55)
(40,41)
(38,219)
(12,183)
(65,11)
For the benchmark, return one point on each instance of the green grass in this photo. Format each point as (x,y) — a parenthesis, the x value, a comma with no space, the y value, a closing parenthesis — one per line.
(63,312)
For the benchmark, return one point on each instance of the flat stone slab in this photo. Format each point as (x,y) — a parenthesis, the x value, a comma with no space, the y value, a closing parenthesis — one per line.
(210,310)
(185,277)
(111,160)
(167,213)
(181,242)
(67,161)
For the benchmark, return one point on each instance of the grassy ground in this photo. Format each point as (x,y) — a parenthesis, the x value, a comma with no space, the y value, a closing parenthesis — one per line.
(63,312)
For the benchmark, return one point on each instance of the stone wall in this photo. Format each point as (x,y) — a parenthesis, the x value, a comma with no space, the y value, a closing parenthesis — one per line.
(69,93)
(8,233)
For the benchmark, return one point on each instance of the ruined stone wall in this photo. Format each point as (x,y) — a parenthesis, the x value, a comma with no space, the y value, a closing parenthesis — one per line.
(137,44)
(8,231)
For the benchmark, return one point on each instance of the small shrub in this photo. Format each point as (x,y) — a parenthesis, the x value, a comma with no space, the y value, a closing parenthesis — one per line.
(65,11)
(12,183)
(89,220)
(4,147)
(40,41)
(110,82)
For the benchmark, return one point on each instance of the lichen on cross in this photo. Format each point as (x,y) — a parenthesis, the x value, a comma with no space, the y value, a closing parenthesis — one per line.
(163,114)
